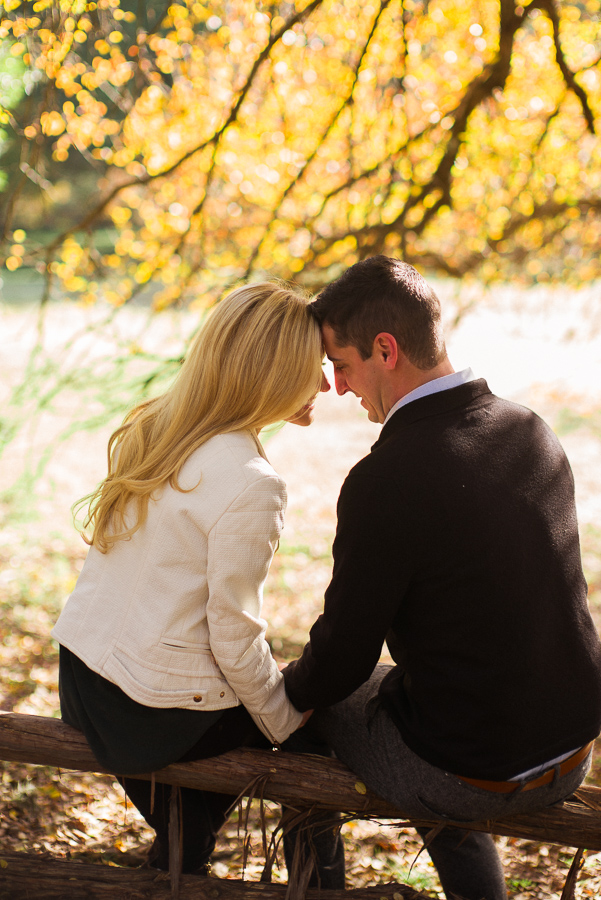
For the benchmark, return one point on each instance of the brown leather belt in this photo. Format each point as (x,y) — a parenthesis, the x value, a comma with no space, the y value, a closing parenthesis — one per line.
(508,787)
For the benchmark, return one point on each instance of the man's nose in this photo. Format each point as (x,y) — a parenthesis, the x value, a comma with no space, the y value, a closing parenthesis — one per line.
(340,382)
(325,384)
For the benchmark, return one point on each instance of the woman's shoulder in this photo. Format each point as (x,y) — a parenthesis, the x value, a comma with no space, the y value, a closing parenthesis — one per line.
(224,454)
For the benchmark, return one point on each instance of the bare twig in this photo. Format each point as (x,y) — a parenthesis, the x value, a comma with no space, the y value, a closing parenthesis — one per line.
(569,889)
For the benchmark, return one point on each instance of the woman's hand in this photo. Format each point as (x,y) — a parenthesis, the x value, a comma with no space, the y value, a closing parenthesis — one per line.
(307,715)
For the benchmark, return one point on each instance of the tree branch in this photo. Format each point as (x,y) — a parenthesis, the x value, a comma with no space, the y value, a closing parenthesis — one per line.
(549,6)
(480,88)
(97,211)
(546,211)
(324,135)
(494,77)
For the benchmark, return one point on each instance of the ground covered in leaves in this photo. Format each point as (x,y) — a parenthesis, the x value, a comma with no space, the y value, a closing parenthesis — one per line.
(76,815)
(80,816)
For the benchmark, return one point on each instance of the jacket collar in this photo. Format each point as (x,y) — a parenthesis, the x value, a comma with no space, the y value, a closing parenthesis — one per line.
(432,405)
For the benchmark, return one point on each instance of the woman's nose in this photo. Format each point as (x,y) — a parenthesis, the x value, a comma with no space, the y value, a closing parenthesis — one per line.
(325,384)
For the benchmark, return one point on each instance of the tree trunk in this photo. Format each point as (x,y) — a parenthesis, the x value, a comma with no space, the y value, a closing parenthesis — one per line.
(23,877)
(297,780)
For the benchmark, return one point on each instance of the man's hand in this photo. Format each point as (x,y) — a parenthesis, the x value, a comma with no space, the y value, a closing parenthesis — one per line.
(306,717)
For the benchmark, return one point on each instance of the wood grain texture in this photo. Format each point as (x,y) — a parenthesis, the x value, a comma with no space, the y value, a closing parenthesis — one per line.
(25,877)
(299,781)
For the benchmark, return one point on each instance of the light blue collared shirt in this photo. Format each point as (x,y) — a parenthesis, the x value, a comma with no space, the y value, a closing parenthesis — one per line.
(445,383)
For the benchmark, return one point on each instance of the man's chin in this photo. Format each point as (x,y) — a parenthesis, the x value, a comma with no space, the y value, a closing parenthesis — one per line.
(371,413)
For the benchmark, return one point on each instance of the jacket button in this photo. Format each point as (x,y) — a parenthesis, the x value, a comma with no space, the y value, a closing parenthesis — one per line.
(222,694)
(197,698)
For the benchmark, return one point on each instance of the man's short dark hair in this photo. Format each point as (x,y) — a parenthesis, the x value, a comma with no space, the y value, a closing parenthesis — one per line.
(381,294)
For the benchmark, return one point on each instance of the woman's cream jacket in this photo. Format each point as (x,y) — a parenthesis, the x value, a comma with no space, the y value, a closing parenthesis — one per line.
(172,616)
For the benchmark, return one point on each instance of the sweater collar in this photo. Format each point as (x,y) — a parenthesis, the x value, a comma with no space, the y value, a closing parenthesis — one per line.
(432,405)
(444,383)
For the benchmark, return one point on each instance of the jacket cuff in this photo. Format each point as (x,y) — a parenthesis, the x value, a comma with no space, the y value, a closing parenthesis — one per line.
(281,718)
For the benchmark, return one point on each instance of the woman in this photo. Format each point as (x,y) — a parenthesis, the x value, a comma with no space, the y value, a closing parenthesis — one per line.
(163,651)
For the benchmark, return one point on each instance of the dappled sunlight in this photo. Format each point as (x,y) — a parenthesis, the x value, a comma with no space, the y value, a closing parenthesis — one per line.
(40,557)
(152,160)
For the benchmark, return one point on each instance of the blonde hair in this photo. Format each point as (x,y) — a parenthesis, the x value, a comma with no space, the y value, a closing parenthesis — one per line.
(256,361)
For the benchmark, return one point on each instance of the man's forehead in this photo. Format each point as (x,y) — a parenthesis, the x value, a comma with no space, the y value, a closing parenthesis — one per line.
(348,355)
(333,350)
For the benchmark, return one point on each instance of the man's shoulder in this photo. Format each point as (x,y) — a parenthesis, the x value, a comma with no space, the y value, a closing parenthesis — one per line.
(416,439)
(524,422)
(473,402)
(374,473)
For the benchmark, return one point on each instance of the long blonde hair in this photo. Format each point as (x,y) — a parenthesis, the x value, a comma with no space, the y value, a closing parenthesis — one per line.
(256,361)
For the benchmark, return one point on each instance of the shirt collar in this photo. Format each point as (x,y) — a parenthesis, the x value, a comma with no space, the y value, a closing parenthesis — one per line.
(445,383)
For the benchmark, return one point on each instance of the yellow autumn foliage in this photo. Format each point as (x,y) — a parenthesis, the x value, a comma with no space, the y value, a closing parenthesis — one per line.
(232,140)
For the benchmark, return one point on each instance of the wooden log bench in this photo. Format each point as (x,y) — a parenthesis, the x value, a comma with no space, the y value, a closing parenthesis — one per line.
(297,781)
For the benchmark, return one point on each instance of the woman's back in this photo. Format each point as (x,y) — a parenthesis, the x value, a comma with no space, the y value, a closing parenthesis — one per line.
(172,615)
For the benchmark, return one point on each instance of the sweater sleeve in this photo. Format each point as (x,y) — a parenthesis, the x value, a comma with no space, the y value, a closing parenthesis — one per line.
(369,578)
(241,546)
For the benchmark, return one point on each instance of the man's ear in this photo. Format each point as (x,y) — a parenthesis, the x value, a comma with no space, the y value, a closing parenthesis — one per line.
(386,349)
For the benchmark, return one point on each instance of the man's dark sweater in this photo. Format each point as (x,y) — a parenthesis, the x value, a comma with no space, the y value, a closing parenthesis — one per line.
(457,542)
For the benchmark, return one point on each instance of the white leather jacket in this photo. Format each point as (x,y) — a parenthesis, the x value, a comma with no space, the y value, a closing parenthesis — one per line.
(172,616)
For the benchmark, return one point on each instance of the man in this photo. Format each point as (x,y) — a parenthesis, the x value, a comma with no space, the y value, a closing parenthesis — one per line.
(456,543)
